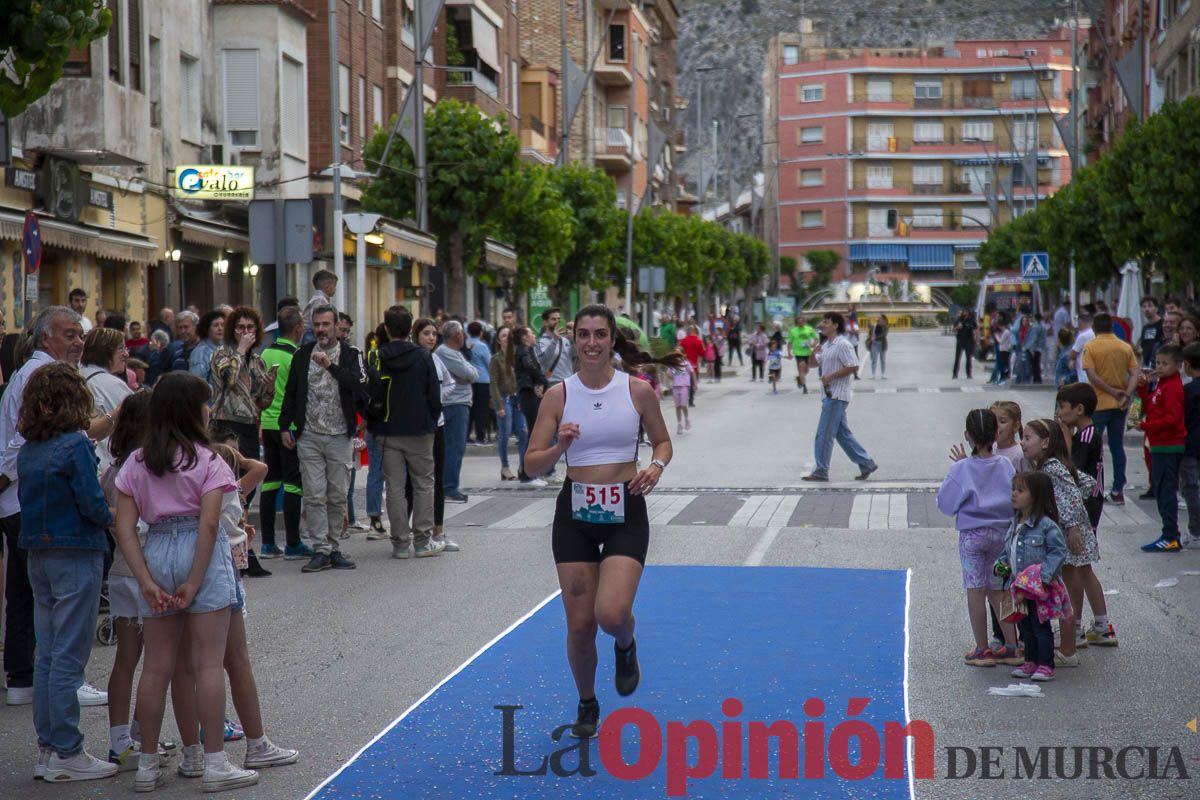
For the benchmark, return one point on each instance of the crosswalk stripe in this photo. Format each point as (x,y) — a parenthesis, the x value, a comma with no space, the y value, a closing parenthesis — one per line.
(860,513)
(897,511)
(765,511)
(538,514)
(1137,516)
(749,506)
(472,501)
(879,511)
(784,512)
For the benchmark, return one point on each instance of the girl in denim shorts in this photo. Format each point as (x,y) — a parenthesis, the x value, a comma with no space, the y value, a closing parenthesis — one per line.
(977,493)
(176,485)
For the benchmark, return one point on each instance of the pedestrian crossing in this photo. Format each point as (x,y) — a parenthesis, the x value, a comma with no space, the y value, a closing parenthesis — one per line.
(856,511)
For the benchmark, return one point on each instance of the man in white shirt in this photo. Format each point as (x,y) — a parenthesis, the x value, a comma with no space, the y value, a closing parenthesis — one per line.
(78,298)
(1085,335)
(839,367)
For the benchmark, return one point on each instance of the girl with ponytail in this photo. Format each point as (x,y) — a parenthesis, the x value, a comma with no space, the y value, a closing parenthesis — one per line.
(977,492)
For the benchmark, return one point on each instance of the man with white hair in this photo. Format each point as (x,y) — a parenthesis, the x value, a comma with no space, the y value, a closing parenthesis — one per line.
(57,336)
(187,336)
(456,406)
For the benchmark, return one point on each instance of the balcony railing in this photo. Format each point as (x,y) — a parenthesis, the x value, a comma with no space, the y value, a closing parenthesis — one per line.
(950,138)
(465,76)
(956,100)
(949,223)
(619,140)
(943,188)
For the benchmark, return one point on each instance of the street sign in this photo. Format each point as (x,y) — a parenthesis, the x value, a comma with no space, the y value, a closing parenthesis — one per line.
(1035,266)
(31,243)
(652,280)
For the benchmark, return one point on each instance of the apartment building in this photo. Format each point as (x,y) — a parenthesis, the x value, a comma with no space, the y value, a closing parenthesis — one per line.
(1177,48)
(624,93)
(901,159)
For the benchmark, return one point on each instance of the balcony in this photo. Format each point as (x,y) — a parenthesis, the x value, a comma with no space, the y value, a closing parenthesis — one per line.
(950,226)
(952,142)
(613,73)
(536,145)
(681,141)
(859,191)
(1000,97)
(616,152)
(474,87)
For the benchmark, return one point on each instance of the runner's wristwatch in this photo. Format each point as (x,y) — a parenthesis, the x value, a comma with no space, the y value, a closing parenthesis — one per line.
(660,464)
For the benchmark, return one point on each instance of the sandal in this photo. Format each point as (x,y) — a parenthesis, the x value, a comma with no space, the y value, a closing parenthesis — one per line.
(980,657)
(1009,655)
(506,475)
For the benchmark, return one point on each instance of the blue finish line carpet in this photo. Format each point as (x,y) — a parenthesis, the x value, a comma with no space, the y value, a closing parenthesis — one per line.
(770,637)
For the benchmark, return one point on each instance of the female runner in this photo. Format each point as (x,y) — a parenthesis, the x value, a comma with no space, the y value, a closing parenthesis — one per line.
(601,531)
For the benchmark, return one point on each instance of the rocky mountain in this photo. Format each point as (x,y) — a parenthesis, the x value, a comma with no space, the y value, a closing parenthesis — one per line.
(732,35)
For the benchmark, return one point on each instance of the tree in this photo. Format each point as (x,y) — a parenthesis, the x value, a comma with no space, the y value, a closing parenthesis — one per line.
(471,161)
(599,227)
(538,223)
(36,36)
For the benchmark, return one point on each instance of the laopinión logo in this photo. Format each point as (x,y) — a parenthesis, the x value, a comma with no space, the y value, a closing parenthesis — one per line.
(726,749)
(820,753)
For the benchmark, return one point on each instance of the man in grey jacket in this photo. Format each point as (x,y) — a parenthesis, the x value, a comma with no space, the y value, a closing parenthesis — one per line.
(554,351)
(456,408)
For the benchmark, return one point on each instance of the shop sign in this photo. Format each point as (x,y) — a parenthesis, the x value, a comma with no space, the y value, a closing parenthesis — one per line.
(21,179)
(100,198)
(214,182)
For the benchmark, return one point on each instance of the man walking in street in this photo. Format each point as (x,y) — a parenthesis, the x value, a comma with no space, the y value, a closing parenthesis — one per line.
(326,386)
(57,336)
(406,434)
(456,407)
(283,467)
(1112,370)
(964,340)
(838,367)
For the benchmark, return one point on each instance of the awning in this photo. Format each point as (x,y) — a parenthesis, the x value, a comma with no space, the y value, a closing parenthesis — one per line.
(879,252)
(83,239)
(221,237)
(483,38)
(408,242)
(499,256)
(930,256)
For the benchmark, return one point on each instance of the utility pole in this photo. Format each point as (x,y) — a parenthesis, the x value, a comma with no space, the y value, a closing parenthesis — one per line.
(419,119)
(563,134)
(629,312)
(339,255)
(1074,132)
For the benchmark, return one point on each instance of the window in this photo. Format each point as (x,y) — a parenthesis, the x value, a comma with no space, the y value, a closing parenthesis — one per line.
(1024,135)
(970,261)
(514,87)
(976,180)
(814,135)
(343,104)
(927,174)
(79,62)
(812,93)
(406,26)
(880,135)
(976,217)
(791,54)
(812,219)
(114,41)
(927,90)
(616,117)
(133,13)
(241,97)
(812,177)
(377,10)
(377,105)
(154,74)
(928,132)
(189,98)
(877,221)
(879,176)
(879,90)
(1024,88)
(293,107)
(927,217)
(616,43)
(362,107)
(978,131)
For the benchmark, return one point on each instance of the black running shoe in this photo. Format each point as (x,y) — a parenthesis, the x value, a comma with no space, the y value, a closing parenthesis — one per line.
(318,563)
(587,720)
(339,561)
(628,672)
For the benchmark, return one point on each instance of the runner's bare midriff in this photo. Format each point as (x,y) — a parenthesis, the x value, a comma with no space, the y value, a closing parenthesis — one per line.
(602,473)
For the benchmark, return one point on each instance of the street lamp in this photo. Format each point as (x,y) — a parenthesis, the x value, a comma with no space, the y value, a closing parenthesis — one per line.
(360,225)
(221,266)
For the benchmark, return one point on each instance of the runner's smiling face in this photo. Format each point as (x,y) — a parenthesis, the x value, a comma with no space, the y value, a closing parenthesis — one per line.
(593,341)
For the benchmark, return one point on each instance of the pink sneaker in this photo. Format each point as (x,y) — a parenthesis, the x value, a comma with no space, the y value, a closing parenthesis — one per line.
(1026,670)
(1043,674)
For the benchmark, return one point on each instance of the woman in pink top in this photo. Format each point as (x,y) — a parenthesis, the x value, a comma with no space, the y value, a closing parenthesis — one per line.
(176,485)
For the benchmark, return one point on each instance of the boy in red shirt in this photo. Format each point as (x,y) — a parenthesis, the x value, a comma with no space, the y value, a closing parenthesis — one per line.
(1166,433)
(693,348)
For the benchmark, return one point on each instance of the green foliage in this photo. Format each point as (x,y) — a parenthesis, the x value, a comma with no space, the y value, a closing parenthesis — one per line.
(964,295)
(472,160)
(538,223)
(599,226)
(36,36)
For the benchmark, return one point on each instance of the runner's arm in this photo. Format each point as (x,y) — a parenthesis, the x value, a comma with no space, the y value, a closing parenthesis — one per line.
(650,411)
(542,453)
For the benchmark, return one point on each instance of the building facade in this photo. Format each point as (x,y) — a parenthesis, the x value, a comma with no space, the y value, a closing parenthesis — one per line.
(902,160)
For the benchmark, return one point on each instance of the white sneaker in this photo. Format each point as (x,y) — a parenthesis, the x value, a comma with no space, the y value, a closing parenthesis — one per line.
(19,695)
(227,776)
(82,766)
(358,526)
(39,769)
(537,482)
(192,763)
(679,428)
(433,547)
(447,545)
(89,695)
(149,778)
(269,755)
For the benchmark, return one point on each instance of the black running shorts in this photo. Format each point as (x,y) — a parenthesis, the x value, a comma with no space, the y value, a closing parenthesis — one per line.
(573,540)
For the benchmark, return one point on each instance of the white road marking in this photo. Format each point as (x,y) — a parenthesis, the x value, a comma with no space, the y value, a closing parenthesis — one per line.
(749,506)
(759,551)
(677,504)
(459,508)
(538,514)
(784,512)
(860,513)
(762,517)
(898,511)
(879,510)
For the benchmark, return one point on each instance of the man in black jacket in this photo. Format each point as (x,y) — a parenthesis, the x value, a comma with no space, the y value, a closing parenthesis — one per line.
(326,387)
(406,433)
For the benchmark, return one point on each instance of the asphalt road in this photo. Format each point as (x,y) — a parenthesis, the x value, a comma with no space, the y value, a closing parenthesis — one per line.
(340,655)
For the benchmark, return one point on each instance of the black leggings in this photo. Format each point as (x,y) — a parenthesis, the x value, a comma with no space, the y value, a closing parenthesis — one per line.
(735,346)
(439,466)
(530,403)
(757,368)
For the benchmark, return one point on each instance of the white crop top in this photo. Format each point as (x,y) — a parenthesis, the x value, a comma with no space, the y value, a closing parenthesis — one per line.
(608,422)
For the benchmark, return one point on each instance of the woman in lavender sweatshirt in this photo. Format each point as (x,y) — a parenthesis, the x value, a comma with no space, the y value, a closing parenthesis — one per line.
(977,493)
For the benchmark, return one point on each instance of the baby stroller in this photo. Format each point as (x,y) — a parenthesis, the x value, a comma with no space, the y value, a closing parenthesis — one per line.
(106,633)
